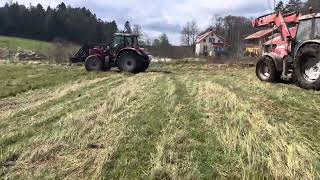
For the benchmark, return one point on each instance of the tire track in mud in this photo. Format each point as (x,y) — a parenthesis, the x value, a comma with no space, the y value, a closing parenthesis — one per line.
(103,122)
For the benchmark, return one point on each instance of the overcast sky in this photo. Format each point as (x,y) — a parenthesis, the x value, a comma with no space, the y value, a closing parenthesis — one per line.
(157,16)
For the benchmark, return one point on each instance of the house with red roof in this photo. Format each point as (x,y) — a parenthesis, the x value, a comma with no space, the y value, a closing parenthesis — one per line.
(209,43)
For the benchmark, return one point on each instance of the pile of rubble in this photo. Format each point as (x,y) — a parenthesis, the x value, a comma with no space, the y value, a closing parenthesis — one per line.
(4,53)
(20,54)
(27,55)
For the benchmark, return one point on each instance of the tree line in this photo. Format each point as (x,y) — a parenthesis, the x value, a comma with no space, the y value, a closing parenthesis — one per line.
(298,6)
(234,29)
(62,22)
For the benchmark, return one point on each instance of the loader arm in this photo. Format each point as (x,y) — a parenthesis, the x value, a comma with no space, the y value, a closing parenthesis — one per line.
(280,21)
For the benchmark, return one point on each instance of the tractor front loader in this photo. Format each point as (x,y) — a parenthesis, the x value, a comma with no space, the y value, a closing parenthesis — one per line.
(297,55)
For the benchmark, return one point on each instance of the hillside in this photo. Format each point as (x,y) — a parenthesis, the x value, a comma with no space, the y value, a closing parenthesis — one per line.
(12,43)
(14,48)
(183,121)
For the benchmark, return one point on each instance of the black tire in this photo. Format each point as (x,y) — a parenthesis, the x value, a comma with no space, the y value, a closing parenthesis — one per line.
(266,70)
(144,64)
(128,62)
(307,67)
(107,64)
(94,63)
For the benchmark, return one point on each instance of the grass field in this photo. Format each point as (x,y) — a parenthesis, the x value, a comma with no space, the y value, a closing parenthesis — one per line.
(177,121)
(12,43)
(53,51)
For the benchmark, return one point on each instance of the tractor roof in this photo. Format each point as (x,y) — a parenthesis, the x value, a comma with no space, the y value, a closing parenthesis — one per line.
(126,34)
(310,16)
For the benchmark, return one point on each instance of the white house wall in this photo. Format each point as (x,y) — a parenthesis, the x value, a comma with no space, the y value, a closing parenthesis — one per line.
(200,46)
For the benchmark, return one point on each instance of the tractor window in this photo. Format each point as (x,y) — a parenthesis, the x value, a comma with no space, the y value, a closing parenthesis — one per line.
(317,31)
(304,31)
(118,41)
(135,42)
(129,41)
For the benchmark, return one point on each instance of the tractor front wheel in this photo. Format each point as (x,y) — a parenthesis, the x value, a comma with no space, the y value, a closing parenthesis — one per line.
(307,67)
(94,63)
(266,70)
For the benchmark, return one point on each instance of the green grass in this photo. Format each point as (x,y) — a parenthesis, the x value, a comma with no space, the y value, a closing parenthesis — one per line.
(12,44)
(177,121)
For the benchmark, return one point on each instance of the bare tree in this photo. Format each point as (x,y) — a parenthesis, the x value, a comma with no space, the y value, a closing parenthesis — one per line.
(218,23)
(137,29)
(189,33)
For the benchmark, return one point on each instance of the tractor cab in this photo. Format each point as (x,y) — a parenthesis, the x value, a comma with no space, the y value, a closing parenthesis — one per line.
(123,40)
(309,28)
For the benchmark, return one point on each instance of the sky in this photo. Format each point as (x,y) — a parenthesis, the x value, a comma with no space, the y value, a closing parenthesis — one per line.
(162,16)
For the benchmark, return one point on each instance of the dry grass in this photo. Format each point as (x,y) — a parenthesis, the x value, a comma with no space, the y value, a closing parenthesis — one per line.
(197,122)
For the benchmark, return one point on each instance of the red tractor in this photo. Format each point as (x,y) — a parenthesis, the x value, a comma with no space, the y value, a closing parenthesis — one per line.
(125,54)
(296,55)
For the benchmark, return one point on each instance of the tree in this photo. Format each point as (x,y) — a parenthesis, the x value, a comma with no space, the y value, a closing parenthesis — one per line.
(280,7)
(293,6)
(127,27)
(218,24)
(156,42)
(189,33)
(137,29)
(164,40)
(315,4)
(63,22)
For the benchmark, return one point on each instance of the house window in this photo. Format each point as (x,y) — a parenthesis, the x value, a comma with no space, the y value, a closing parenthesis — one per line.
(205,40)
(212,40)
(205,48)
(219,41)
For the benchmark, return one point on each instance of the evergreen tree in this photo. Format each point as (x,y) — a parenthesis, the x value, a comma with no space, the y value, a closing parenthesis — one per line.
(164,40)
(127,27)
(293,6)
(280,7)
(62,22)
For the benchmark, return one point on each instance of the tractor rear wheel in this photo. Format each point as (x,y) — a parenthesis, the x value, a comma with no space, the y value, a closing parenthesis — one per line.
(94,63)
(266,70)
(128,62)
(144,65)
(307,67)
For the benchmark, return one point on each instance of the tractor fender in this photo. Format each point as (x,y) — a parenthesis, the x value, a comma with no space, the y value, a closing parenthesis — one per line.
(134,50)
(99,56)
(304,44)
(278,60)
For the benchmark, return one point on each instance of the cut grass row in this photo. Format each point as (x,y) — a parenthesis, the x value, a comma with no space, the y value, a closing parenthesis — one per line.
(192,123)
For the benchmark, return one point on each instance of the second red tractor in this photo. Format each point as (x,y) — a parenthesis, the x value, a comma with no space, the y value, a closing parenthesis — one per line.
(296,55)
(124,54)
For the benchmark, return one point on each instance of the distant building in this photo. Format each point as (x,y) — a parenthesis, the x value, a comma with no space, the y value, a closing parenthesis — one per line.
(254,44)
(209,44)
